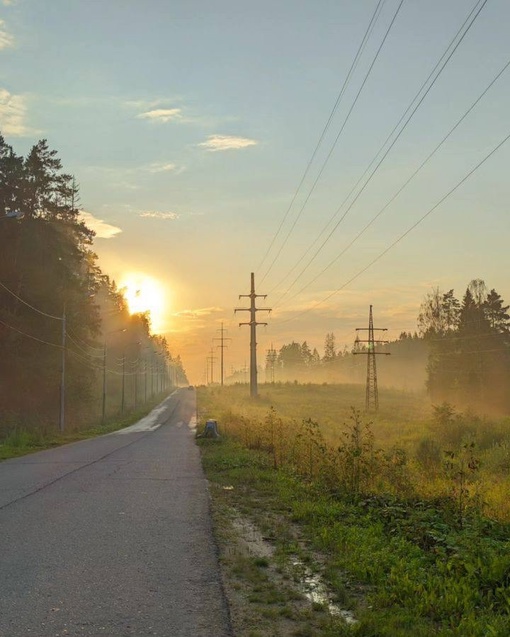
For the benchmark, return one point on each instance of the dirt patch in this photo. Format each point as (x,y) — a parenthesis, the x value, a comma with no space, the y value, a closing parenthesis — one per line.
(271,591)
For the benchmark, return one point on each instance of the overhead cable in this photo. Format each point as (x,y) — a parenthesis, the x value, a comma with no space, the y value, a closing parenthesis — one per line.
(76,344)
(57,318)
(372,221)
(437,70)
(367,75)
(34,338)
(326,127)
(402,236)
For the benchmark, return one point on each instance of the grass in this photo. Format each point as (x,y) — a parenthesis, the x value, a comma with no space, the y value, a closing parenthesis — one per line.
(407,429)
(409,548)
(20,441)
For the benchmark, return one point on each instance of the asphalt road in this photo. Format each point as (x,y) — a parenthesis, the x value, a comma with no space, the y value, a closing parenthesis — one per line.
(112,536)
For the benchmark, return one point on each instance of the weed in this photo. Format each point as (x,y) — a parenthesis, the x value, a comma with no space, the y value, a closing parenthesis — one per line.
(406,544)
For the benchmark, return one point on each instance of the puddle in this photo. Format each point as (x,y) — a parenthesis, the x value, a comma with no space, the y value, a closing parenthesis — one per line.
(192,424)
(253,538)
(311,586)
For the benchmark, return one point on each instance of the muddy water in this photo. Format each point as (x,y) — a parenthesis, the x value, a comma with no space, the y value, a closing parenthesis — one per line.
(314,589)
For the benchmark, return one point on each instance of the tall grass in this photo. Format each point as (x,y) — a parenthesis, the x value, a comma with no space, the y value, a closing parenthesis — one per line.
(421,524)
(410,448)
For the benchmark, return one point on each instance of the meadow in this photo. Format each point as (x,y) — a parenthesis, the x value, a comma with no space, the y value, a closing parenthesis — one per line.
(407,430)
(409,505)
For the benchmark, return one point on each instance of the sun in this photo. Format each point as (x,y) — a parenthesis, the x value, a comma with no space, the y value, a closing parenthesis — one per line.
(144,294)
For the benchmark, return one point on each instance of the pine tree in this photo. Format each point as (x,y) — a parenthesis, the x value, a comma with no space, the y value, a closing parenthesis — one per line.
(329,348)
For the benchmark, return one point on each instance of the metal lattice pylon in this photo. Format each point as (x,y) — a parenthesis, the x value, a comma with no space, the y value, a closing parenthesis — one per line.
(371,391)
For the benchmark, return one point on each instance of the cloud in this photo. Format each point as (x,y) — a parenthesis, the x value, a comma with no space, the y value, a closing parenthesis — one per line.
(162,115)
(9,3)
(194,314)
(160,215)
(102,229)
(13,110)
(6,39)
(165,167)
(216,143)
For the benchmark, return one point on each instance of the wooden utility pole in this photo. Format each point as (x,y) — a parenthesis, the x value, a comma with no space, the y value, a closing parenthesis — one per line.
(253,331)
(271,356)
(211,359)
(371,392)
(221,347)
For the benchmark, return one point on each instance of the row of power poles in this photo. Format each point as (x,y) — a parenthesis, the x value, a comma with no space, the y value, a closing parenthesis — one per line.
(211,359)
(371,392)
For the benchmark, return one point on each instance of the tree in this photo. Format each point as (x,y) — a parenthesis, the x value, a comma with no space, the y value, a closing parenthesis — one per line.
(316,359)
(290,357)
(439,313)
(329,348)
(306,354)
(48,270)
(497,313)
(11,174)
(469,347)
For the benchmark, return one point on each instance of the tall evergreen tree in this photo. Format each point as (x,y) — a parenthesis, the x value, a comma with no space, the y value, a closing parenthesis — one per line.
(329,348)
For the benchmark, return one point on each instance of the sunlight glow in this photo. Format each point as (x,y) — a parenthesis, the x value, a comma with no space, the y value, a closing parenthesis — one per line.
(145,294)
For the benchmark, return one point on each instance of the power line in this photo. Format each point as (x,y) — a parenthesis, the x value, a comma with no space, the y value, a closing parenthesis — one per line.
(382,210)
(57,318)
(99,355)
(367,75)
(438,69)
(100,367)
(327,125)
(402,236)
(15,329)
(83,342)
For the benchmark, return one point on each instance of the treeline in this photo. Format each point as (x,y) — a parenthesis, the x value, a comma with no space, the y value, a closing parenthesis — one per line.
(405,369)
(61,317)
(460,353)
(469,347)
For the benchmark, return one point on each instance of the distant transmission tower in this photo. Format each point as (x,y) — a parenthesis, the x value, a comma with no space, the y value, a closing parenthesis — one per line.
(372,394)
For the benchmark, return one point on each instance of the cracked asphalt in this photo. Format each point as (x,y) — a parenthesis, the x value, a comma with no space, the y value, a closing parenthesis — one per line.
(112,536)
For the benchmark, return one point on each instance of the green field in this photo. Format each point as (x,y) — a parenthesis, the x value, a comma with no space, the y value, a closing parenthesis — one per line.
(409,505)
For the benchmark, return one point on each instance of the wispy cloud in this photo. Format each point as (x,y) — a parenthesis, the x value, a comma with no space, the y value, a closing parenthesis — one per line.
(194,314)
(165,167)
(148,104)
(172,216)
(102,229)
(162,115)
(13,110)
(9,3)
(6,39)
(217,143)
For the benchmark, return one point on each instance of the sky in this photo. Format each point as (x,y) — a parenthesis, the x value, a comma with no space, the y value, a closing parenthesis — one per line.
(215,139)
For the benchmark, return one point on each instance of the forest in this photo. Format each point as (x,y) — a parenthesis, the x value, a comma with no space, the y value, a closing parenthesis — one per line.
(71,353)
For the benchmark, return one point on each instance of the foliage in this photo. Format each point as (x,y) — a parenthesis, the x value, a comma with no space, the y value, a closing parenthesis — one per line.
(403,565)
(57,309)
(469,360)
